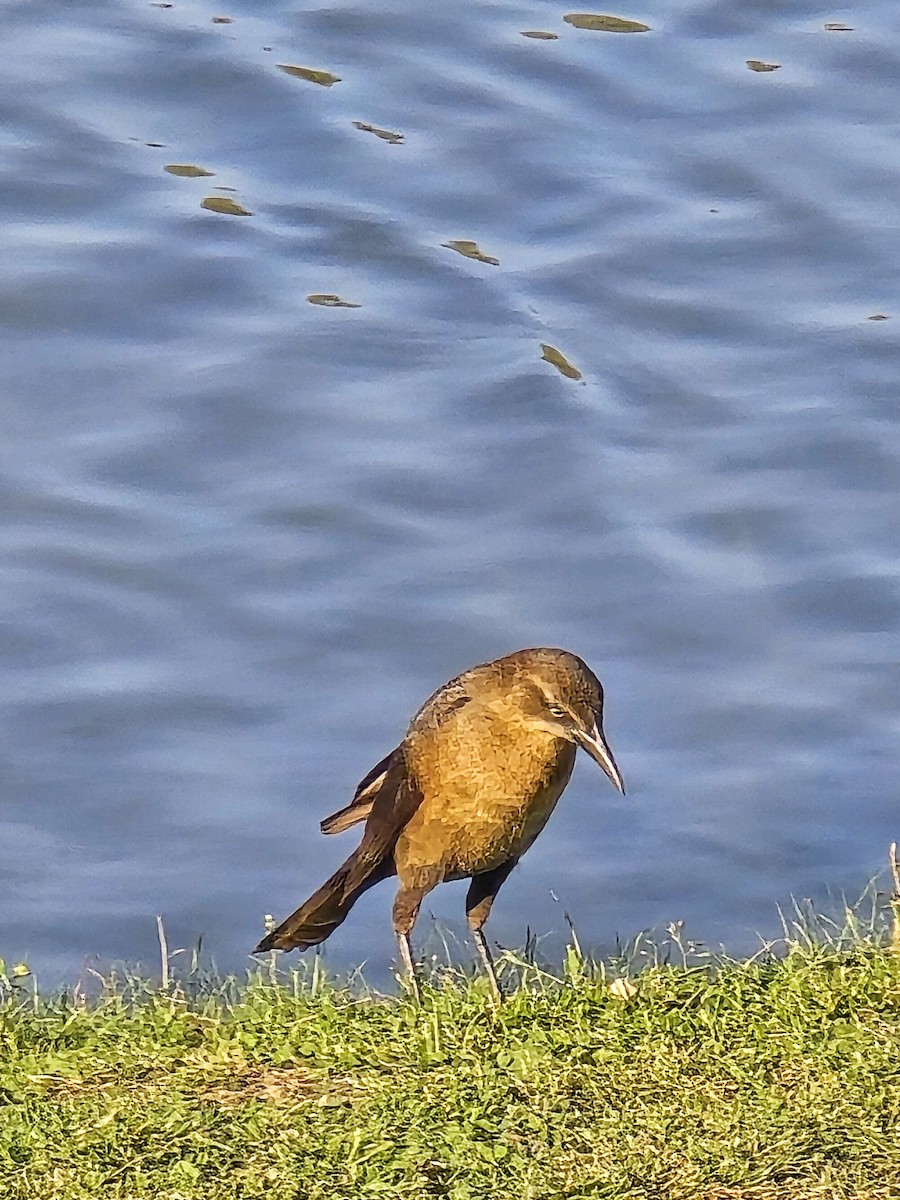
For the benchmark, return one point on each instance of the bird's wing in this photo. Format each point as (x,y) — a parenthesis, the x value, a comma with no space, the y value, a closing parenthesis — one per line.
(352,814)
(361,805)
(392,807)
(436,711)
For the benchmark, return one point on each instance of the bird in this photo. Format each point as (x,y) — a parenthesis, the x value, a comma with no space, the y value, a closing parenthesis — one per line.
(464,795)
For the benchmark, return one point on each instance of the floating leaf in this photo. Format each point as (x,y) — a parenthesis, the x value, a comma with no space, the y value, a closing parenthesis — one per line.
(837,27)
(605,23)
(555,358)
(877,317)
(221,20)
(386,135)
(187,170)
(324,78)
(327,300)
(155,145)
(224,205)
(471,250)
(756,64)
(540,33)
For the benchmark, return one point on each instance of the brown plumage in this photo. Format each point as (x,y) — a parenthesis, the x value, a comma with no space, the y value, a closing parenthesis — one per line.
(464,795)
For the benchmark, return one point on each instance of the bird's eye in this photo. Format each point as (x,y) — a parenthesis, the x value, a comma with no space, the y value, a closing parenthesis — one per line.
(556,711)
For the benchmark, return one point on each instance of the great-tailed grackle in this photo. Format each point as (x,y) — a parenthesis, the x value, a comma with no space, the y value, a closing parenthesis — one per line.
(464,795)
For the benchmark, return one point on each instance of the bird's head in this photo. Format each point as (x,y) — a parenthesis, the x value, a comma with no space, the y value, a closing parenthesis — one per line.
(563,696)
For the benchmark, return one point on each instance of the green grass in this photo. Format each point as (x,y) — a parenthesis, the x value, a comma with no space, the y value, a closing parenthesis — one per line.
(776,1078)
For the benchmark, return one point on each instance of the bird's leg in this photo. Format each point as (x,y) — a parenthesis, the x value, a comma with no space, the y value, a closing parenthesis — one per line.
(406,909)
(409,966)
(482,892)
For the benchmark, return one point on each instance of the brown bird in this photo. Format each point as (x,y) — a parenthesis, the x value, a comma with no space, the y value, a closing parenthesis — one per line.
(463,796)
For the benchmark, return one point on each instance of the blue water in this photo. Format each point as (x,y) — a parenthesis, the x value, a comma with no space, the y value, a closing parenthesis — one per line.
(243,536)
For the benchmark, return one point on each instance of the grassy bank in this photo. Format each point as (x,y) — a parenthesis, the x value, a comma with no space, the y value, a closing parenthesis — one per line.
(772,1079)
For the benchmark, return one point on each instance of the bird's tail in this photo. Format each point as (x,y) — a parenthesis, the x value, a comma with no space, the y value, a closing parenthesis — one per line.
(320,915)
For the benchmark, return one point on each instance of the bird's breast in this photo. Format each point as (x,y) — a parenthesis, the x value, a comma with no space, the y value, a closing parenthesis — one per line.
(482,804)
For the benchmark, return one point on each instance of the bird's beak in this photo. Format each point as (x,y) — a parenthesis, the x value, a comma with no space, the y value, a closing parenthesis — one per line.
(594,742)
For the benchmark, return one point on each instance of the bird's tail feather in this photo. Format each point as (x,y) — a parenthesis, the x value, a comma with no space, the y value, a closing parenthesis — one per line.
(320,915)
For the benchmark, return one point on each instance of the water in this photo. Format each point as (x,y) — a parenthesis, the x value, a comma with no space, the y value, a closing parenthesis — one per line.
(243,535)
